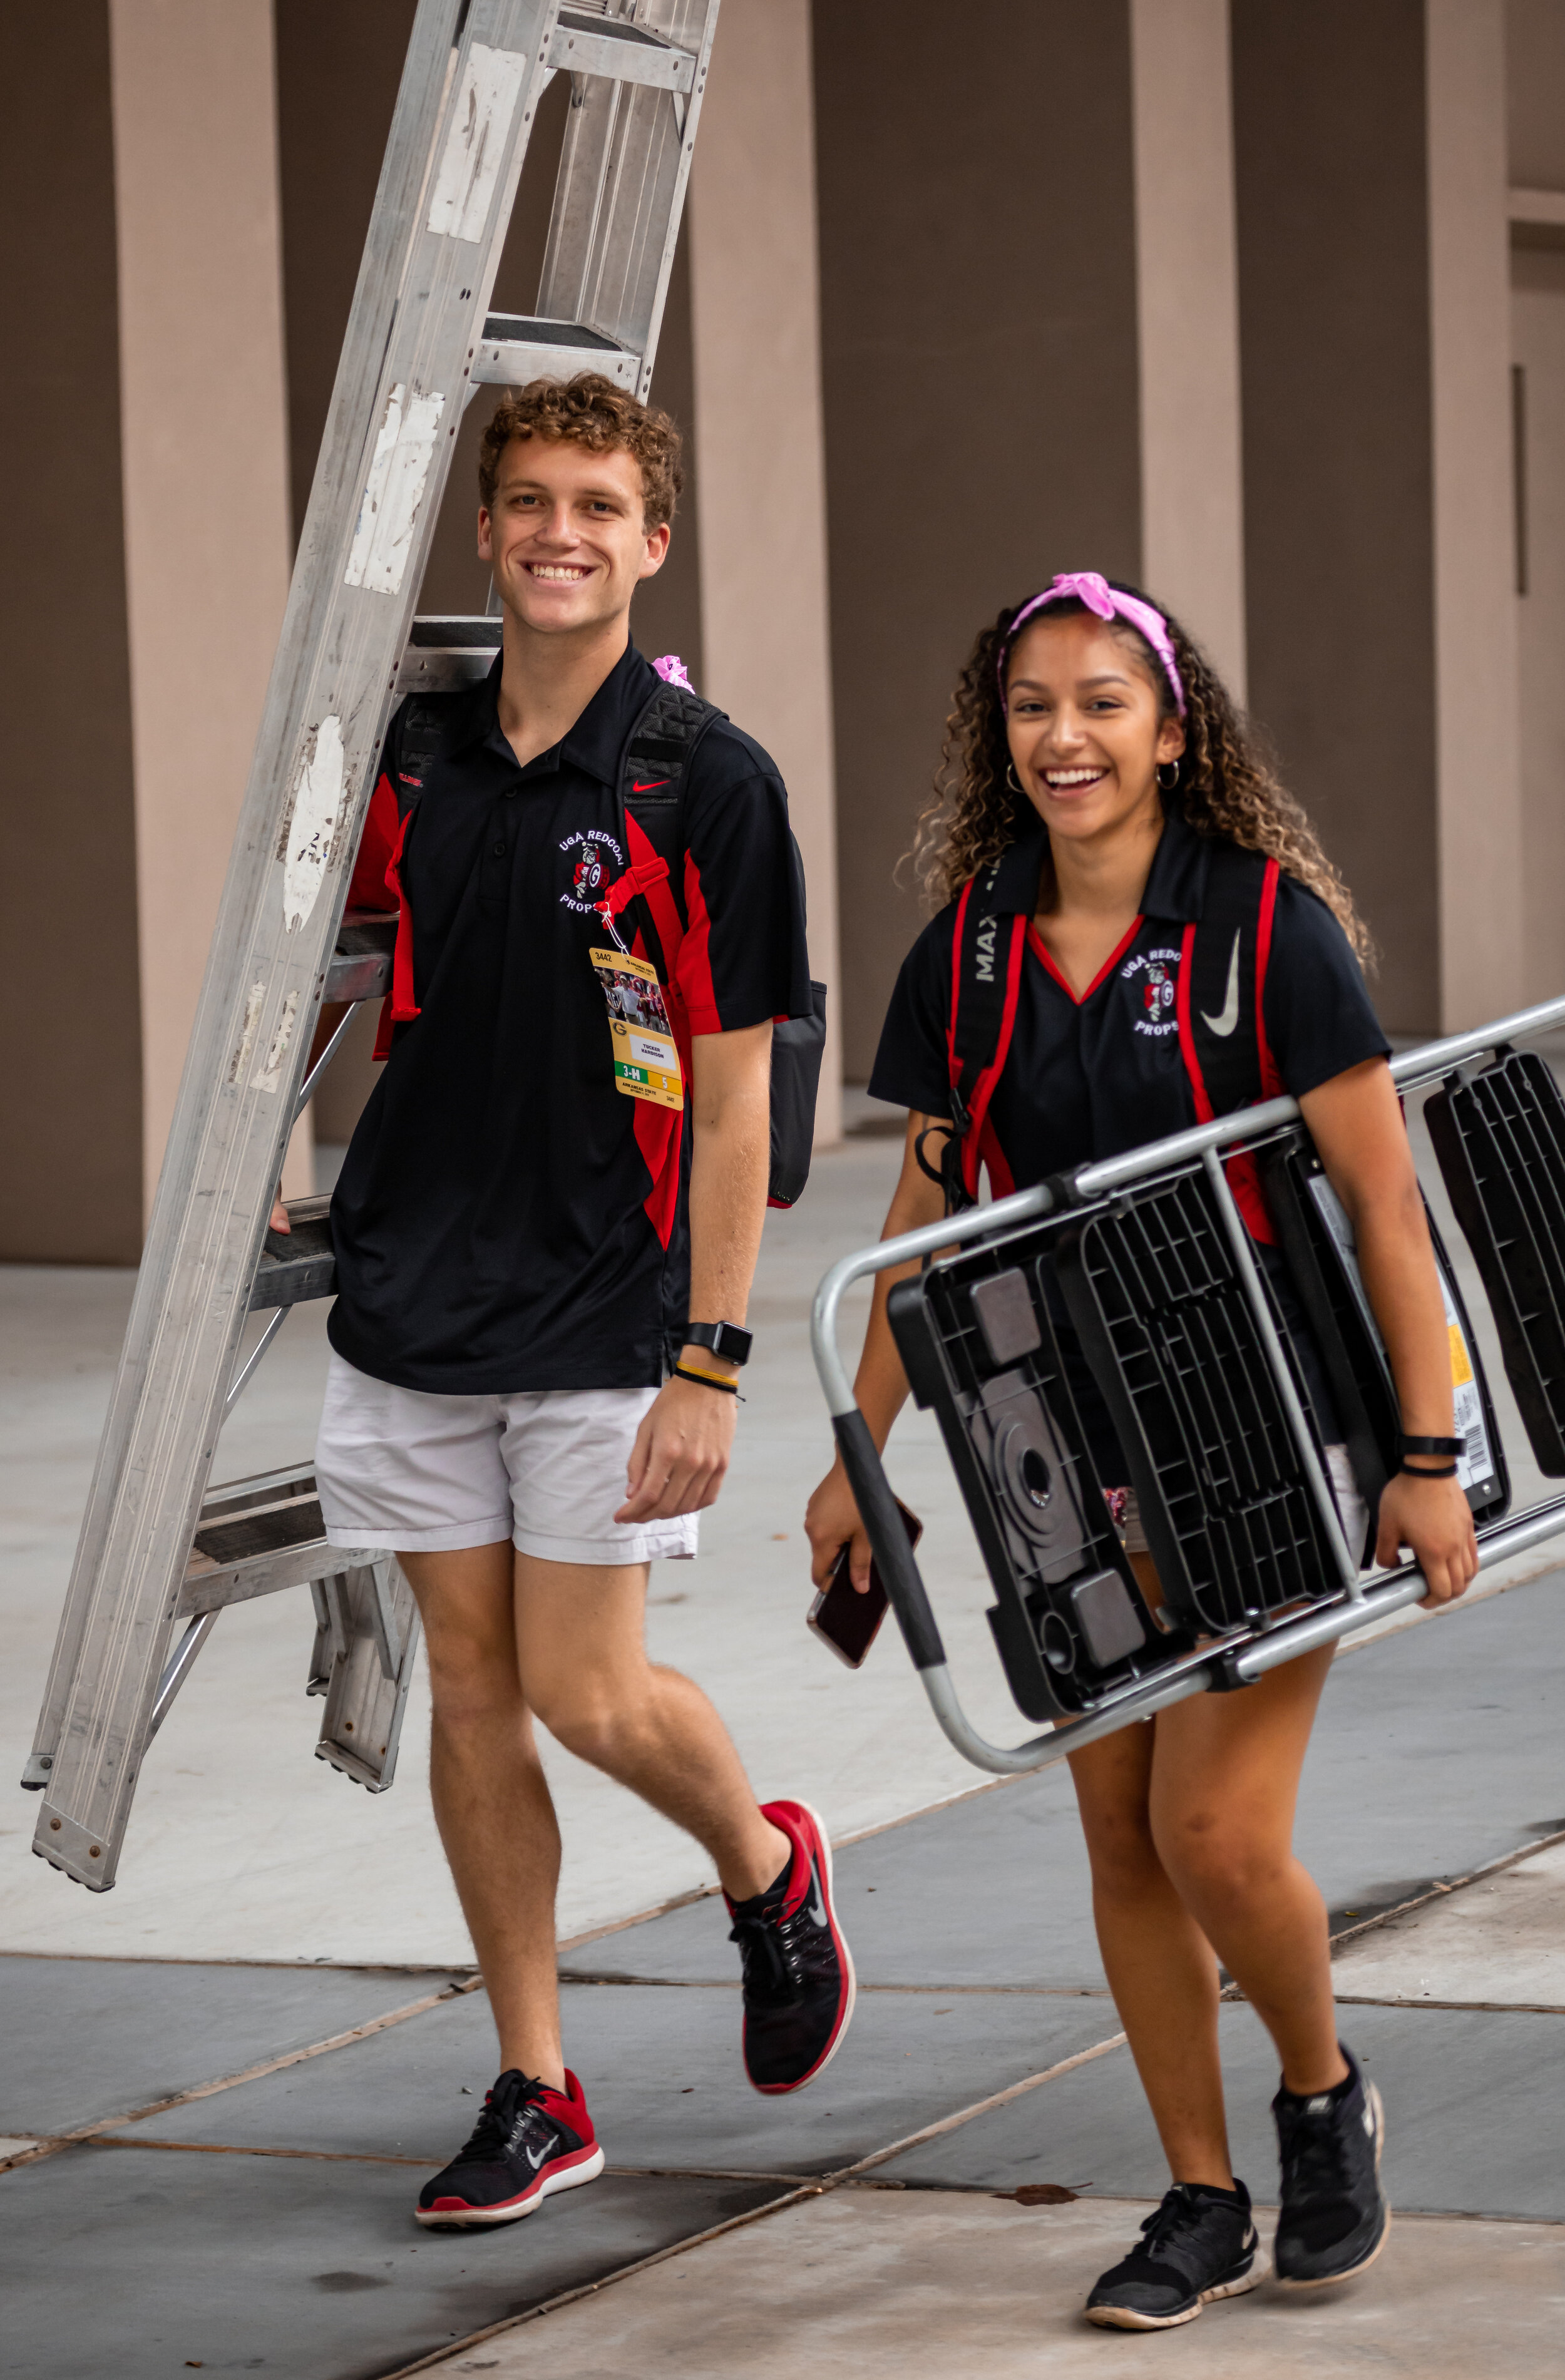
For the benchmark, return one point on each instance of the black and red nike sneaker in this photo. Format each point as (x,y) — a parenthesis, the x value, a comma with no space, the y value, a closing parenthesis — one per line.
(528,2142)
(798,1978)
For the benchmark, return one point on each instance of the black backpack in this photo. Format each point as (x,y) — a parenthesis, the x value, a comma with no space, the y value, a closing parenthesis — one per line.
(1222,1039)
(660,746)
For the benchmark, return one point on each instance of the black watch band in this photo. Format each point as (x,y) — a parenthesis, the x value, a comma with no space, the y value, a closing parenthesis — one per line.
(724,1339)
(1432,1446)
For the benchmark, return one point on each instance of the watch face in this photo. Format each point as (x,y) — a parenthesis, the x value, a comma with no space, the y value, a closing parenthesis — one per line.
(724,1339)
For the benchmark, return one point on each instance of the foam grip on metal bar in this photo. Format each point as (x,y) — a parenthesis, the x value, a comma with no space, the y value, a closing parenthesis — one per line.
(887,1538)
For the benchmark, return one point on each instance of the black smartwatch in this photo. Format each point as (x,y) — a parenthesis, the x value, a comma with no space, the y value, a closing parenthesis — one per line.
(724,1339)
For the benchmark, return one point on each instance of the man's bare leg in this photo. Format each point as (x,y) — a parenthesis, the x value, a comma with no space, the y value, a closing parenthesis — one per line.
(582,1657)
(575,1633)
(491,1801)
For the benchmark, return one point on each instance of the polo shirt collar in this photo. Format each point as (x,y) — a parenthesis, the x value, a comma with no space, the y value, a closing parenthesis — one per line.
(1176,889)
(592,743)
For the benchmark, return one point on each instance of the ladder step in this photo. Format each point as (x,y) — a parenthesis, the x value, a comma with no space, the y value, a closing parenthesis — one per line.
(258,1535)
(584,44)
(298,1264)
(360,966)
(445,654)
(520,348)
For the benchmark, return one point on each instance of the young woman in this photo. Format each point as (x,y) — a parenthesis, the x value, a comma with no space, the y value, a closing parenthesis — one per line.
(1094,754)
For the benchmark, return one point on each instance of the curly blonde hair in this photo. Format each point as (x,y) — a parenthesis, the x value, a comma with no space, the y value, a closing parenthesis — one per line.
(590,412)
(1226,788)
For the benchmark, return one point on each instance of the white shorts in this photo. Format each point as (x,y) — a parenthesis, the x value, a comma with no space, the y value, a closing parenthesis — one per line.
(1344,1487)
(416,1474)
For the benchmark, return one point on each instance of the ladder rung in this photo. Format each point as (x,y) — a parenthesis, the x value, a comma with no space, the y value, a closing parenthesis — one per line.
(607,46)
(360,966)
(446,654)
(298,1264)
(520,348)
(258,1535)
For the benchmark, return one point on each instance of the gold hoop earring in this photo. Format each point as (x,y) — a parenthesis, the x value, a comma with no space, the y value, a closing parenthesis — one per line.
(1011,779)
(1171,780)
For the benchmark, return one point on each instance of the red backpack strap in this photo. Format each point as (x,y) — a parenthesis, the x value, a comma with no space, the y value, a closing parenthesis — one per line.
(989,1073)
(986,982)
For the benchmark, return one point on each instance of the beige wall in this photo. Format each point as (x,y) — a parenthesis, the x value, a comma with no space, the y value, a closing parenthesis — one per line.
(1187,312)
(1479,755)
(1539,329)
(756,343)
(205,469)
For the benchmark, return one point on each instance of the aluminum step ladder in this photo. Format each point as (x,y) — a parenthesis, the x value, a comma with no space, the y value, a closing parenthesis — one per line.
(160,1553)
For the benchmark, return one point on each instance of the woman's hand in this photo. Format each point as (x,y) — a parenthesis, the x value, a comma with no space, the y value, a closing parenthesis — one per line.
(1432,1518)
(832,1522)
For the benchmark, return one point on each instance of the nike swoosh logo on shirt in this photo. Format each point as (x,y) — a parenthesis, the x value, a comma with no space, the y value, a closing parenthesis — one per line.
(1223,1024)
(536,2161)
(649,787)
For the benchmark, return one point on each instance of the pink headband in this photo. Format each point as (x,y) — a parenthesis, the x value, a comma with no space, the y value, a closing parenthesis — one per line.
(1090,588)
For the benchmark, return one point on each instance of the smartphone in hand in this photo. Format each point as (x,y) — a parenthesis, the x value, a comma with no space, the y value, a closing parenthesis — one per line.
(845,1621)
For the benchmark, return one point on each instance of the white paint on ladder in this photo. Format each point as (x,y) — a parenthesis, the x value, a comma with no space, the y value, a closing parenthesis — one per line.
(253,1005)
(382,536)
(469,164)
(312,821)
(269,1072)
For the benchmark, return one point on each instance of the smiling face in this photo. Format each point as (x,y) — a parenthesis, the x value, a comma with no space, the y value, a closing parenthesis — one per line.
(566,535)
(1084,726)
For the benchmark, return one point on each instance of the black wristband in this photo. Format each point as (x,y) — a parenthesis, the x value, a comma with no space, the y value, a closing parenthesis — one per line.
(1442,1471)
(1447,1446)
(708,1381)
(724,1339)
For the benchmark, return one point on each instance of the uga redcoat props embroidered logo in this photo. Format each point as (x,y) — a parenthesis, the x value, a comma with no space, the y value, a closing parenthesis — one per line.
(597,860)
(1159,971)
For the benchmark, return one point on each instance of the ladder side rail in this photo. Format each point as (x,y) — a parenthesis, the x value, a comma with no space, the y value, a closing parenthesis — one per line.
(620,195)
(404,171)
(417,317)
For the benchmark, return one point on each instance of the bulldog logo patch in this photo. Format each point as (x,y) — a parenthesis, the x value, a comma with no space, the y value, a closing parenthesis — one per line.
(595,861)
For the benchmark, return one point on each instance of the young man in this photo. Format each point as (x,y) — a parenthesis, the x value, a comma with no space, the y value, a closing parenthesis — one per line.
(542,1271)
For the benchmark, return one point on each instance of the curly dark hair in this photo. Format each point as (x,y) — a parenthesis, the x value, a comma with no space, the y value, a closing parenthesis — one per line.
(591,411)
(1227,787)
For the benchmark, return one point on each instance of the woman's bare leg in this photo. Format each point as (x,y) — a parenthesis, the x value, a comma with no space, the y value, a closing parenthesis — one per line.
(1159,1964)
(1224,1787)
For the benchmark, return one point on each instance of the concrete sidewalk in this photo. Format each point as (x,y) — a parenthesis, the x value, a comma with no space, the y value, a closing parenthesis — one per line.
(233,2150)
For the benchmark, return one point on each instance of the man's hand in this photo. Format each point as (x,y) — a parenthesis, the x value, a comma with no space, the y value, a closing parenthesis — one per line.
(1432,1519)
(680,1457)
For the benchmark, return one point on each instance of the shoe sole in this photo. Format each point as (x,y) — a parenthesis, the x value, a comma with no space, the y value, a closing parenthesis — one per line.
(1122,2318)
(511,2210)
(1334,2280)
(780,2090)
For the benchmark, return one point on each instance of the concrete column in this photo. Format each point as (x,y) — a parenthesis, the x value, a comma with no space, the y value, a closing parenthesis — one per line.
(204,450)
(70,1179)
(1187,308)
(759,439)
(1478,742)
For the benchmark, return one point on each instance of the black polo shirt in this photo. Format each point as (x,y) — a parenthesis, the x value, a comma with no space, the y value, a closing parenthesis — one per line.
(1089,1078)
(506,1219)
